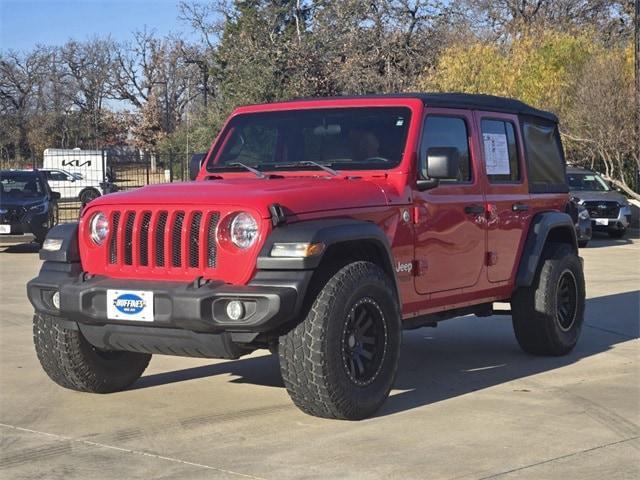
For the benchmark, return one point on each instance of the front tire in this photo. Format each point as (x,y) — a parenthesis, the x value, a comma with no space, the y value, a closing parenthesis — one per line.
(87,195)
(583,243)
(548,315)
(618,233)
(72,362)
(340,361)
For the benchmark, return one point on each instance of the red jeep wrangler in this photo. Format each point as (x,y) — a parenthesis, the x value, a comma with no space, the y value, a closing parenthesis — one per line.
(320,229)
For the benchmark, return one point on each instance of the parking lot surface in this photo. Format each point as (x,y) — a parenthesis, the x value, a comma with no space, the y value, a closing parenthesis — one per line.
(467,403)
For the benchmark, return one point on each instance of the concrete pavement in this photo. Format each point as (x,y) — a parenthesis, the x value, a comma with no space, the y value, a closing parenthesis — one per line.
(467,404)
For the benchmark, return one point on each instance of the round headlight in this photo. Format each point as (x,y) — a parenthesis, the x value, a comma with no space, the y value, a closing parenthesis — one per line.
(99,228)
(243,230)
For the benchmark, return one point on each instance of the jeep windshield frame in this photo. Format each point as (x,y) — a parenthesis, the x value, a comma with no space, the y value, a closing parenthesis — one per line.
(329,139)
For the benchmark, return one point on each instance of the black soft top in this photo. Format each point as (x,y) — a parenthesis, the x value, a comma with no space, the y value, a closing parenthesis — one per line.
(471,101)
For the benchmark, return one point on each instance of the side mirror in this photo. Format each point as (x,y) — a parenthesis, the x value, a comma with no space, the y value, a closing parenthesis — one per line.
(195,164)
(55,195)
(441,164)
(71,178)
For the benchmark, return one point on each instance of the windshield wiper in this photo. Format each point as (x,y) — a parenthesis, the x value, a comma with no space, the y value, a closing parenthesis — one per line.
(257,173)
(329,170)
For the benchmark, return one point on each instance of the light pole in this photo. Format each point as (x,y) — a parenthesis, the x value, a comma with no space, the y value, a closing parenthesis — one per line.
(204,69)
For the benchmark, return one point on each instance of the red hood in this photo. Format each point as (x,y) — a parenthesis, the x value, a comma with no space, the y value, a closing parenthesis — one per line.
(297,195)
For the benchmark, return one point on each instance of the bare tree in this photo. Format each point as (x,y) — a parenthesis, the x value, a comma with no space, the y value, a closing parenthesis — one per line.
(21,79)
(152,75)
(510,17)
(600,124)
(89,66)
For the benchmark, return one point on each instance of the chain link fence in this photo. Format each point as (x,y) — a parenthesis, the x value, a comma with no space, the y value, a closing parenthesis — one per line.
(83,175)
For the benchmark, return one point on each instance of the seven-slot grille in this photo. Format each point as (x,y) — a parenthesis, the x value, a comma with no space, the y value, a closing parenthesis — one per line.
(602,209)
(163,239)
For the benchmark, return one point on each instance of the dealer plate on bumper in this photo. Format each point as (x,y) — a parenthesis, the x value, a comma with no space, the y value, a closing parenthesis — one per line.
(602,221)
(133,305)
(5,228)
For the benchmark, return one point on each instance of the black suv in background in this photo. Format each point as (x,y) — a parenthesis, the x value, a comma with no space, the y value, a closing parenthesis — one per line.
(27,204)
(609,210)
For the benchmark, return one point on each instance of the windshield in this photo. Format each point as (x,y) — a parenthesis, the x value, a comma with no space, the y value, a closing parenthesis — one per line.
(20,185)
(587,181)
(346,138)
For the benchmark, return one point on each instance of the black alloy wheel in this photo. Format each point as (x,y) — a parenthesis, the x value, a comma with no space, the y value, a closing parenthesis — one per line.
(567,300)
(364,341)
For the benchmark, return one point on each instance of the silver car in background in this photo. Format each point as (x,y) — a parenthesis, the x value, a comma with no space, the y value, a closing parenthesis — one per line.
(608,209)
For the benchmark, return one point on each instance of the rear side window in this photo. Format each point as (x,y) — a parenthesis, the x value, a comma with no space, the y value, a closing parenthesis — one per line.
(544,158)
(441,131)
(500,151)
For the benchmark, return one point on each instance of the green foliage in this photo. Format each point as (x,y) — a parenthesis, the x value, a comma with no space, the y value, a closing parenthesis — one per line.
(586,82)
(538,68)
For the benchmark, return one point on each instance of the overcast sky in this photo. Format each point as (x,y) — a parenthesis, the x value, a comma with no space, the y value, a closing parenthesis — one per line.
(25,23)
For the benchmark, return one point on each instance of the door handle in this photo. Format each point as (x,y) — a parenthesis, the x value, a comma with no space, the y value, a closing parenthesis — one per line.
(474,209)
(519,207)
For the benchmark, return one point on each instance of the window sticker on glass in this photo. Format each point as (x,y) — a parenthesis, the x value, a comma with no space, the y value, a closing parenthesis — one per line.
(496,153)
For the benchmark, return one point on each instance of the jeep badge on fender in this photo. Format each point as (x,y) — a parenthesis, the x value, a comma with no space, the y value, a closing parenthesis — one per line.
(308,231)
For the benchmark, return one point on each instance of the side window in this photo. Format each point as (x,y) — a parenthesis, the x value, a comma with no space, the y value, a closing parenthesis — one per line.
(500,151)
(57,176)
(545,160)
(442,131)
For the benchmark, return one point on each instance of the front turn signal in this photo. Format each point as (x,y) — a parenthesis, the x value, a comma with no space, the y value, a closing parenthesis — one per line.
(297,250)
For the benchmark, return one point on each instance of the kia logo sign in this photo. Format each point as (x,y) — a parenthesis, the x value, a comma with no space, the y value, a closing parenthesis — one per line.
(75,163)
(129,304)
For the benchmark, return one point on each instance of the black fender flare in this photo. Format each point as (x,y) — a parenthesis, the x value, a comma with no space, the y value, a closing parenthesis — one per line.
(69,251)
(543,226)
(330,232)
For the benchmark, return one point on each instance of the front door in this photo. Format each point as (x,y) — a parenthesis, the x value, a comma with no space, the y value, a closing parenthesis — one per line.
(507,194)
(449,219)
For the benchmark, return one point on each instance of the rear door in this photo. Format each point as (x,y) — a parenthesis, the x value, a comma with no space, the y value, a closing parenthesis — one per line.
(449,219)
(507,194)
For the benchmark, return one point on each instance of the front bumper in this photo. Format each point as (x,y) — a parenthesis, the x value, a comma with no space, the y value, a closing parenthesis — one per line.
(37,224)
(194,307)
(621,222)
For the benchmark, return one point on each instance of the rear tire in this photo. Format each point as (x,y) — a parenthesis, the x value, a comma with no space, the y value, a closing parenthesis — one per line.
(72,362)
(548,315)
(341,361)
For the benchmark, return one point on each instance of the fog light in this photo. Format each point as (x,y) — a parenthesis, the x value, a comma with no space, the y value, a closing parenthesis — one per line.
(235,310)
(55,299)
